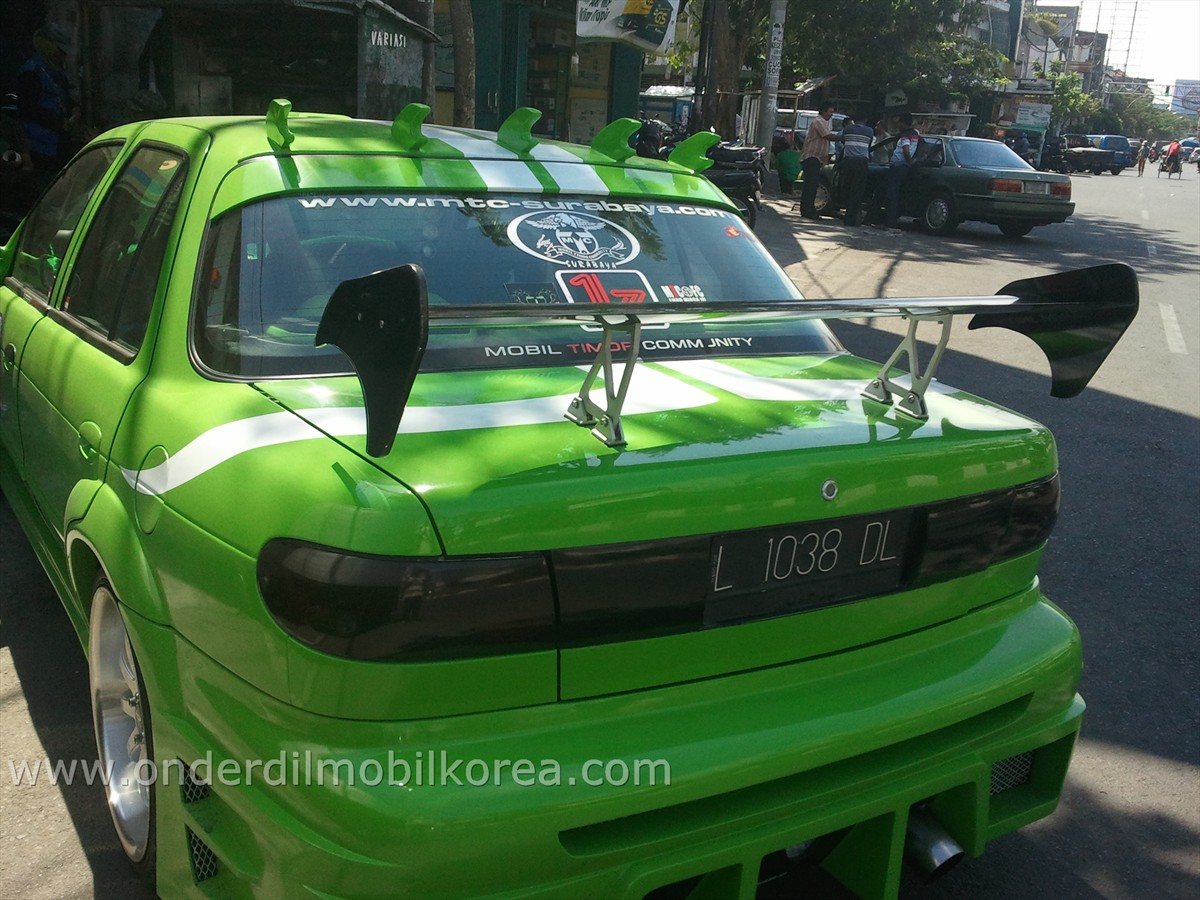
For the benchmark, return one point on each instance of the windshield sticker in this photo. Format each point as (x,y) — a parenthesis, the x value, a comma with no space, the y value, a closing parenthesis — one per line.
(606,286)
(677,293)
(535,293)
(573,239)
(571,207)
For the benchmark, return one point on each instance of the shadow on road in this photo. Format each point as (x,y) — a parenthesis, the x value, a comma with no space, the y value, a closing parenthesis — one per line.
(52,674)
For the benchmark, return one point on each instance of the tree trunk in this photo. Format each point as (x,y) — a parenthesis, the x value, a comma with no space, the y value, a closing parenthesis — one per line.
(733,24)
(462,29)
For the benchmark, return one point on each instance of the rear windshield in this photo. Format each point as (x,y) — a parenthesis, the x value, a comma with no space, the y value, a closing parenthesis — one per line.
(987,154)
(269,269)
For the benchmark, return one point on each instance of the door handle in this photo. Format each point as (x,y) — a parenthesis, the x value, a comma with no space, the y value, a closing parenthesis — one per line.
(89,441)
(10,356)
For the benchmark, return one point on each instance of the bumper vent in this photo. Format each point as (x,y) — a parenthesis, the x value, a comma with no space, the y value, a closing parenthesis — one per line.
(204,861)
(1012,772)
(191,788)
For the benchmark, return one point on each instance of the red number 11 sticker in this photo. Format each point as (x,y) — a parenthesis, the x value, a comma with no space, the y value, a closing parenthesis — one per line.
(605,286)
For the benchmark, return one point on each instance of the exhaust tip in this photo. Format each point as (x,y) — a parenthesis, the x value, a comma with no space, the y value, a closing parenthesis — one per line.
(929,846)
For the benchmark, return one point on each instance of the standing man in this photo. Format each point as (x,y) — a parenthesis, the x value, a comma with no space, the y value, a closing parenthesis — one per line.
(813,155)
(43,98)
(902,159)
(856,149)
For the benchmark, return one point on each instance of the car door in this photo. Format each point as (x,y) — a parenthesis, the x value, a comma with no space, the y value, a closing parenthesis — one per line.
(31,270)
(925,177)
(83,360)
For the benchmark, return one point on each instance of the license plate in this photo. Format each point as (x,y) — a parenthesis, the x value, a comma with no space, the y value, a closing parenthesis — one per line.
(775,571)
(1037,187)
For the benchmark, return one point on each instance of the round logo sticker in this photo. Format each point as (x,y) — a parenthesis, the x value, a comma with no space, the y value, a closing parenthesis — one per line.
(573,239)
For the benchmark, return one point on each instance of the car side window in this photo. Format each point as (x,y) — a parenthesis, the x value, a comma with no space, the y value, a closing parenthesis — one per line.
(113,279)
(882,152)
(49,226)
(930,153)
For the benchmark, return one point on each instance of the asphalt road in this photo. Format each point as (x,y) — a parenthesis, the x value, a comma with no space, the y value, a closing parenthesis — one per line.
(1122,562)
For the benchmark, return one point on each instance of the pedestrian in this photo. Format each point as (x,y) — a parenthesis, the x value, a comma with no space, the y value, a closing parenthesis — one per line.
(1142,155)
(901,161)
(814,154)
(853,167)
(787,163)
(43,98)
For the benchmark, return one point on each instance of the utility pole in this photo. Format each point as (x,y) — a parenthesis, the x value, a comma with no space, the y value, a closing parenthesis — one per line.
(768,100)
(701,112)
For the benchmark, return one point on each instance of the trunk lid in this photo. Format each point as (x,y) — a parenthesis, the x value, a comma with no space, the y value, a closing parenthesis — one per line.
(716,447)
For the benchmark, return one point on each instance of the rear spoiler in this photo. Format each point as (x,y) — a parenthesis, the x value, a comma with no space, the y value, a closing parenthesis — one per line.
(381,322)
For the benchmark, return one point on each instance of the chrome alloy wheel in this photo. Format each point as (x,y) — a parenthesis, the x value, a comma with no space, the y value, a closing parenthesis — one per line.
(121,719)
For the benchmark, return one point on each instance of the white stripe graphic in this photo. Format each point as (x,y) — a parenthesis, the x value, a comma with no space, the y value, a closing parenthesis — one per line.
(473,146)
(508,176)
(550,153)
(650,392)
(968,413)
(576,178)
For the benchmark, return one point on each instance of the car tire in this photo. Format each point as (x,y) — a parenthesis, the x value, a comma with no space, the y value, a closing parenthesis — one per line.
(939,216)
(749,211)
(121,716)
(1097,171)
(1015,229)
(1117,170)
(823,200)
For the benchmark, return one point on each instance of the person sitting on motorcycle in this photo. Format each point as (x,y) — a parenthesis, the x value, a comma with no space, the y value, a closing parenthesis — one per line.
(1021,147)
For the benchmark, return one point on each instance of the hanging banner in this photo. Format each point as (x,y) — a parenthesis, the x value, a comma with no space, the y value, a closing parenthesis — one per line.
(648,25)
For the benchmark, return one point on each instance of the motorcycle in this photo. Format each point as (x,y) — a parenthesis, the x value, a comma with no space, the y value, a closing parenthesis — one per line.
(1052,159)
(738,170)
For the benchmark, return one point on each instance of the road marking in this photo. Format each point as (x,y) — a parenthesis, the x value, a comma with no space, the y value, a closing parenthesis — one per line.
(1145,215)
(1175,342)
(1151,249)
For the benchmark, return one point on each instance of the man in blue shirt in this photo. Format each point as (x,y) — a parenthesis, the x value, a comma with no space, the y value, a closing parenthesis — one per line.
(856,148)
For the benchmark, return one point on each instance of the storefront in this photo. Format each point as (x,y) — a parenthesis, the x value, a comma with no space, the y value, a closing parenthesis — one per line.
(211,57)
(527,54)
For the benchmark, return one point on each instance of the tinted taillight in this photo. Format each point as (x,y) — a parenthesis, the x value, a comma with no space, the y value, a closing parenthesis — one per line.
(1061,189)
(972,533)
(386,608)
(1005,185)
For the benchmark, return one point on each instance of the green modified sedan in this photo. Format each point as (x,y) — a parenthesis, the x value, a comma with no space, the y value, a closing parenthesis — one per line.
(961,179)
(448,513)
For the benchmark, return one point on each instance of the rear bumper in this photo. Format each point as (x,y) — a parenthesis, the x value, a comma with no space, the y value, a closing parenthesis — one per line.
(1030,210)
(756,762)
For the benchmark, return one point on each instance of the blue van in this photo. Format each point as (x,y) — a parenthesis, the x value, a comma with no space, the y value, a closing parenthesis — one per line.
(1119,145)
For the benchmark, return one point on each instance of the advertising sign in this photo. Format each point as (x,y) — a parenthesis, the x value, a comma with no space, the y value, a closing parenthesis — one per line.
(648,25)
(1035,114)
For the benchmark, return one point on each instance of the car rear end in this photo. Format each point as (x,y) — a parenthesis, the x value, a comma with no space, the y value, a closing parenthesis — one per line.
(1009,190)
(780,622)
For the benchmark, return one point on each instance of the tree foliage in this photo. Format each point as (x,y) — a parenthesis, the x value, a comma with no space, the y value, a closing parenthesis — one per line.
(1070,104)
(1137,116)
(914,45)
